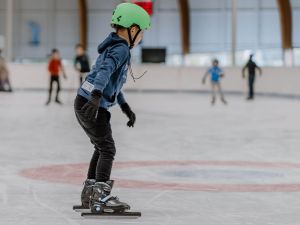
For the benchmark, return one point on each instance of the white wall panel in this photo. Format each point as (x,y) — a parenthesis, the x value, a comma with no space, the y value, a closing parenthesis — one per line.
(295,3)
(247,29)
(268,4)
(26,50)
(258,25)
(35,4)
(296,28)
(67,28)
(209,31)
(2,23)
(102,4)
(270,29)
(247,4)
(66,5)
(204,4)
(167,5)
(169,31)
(2,4)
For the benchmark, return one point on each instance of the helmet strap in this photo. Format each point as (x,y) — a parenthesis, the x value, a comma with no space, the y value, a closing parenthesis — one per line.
(132,40)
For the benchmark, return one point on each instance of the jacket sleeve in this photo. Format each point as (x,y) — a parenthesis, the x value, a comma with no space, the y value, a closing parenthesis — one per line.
(75,61)
(49,66)
(121,98)
(221,72)
(115,57)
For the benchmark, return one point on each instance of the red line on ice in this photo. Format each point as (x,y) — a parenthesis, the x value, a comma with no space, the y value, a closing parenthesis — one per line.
(75,174)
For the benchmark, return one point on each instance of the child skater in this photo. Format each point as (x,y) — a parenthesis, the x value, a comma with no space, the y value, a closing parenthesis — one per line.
(55,67)
(215,73)
(100,91)
(81,62)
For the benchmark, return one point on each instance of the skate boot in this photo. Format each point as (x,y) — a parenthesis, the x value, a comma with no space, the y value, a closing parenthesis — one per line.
(102,202)
(86,195)
(87,192)
(213,101)
(58,101)
(48,101)
(224,101)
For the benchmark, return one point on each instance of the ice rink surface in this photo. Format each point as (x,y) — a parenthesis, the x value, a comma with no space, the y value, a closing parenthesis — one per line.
(185,162)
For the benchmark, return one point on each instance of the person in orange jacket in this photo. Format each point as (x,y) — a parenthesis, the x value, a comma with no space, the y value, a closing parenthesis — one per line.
(55,67)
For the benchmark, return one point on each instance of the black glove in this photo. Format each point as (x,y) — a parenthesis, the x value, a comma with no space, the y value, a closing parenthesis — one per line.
(131,116)
(91,107)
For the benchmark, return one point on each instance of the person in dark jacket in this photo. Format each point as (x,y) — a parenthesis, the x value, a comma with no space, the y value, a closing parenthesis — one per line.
(81,62)
(251,66)
(102,90)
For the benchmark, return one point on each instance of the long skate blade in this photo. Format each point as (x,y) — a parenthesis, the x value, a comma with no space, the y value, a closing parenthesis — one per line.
(124,215)
(80,208)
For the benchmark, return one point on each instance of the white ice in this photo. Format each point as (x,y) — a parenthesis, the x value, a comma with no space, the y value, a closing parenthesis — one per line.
(170,126)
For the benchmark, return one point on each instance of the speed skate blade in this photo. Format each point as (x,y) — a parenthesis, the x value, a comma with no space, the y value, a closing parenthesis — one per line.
(80,208)
(124,215)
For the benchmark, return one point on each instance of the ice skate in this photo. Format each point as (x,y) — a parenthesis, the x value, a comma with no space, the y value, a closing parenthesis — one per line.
(102,204)
(224,101)
(85,196)
(213,101)
(58,101)
(48,102)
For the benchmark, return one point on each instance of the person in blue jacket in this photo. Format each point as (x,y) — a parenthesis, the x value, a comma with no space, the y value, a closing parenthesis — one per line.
(215,73)
(102,90)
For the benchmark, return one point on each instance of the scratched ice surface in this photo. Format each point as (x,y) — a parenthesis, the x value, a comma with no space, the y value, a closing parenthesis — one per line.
(180,143)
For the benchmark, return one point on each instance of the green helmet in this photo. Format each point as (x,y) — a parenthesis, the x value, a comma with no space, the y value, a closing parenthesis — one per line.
(127,14)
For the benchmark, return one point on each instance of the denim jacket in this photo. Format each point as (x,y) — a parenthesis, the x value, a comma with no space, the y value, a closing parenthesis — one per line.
(109,72)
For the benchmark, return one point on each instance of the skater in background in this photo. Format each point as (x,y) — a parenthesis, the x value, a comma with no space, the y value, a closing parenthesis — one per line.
(100,91)
(215,73)
(54,68)
(81,62)
(251,66)
(4,75)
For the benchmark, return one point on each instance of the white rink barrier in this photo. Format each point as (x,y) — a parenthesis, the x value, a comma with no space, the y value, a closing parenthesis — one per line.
(278,80)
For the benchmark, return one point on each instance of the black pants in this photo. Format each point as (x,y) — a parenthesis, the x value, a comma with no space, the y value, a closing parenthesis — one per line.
(251,85)
(52,80)
(82,77)
(5,82)
(100,135)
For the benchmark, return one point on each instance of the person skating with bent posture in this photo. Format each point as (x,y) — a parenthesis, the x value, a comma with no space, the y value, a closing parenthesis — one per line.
(100,91)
